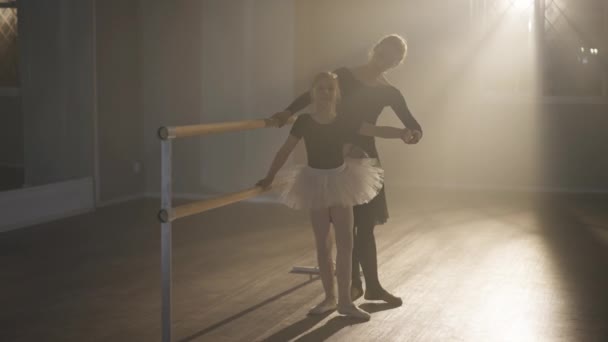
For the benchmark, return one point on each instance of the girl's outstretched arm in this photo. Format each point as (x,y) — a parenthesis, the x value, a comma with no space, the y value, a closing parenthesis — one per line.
(279,160)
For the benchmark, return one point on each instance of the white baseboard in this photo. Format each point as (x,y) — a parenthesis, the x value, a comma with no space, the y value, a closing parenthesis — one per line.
(28,206)
(12,165)
(10,91)
(120,200)
(500,188)
(33,205)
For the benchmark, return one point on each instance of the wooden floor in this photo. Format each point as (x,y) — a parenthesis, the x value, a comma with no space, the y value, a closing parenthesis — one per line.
(469,268)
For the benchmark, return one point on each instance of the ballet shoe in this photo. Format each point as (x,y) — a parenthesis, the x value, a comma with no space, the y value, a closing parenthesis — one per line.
(355,292)
(352,311)
(325,306)
(383,295)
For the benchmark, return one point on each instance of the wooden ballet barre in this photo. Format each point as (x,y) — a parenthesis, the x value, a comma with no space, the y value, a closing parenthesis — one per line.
(205,205)
(172,132)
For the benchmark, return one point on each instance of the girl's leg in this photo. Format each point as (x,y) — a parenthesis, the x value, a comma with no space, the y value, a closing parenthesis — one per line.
(320,224)
(343,221)
(342,218)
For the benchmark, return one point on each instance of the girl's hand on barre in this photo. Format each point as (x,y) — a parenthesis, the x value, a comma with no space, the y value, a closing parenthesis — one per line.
(265,183)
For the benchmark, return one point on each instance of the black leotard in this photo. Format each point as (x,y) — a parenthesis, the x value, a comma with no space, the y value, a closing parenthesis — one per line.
(323,142)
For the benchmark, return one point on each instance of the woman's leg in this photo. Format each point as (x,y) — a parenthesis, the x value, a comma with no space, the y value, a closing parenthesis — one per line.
(365,245)
(320,224)
(356,288)
(368,257)
(356,274)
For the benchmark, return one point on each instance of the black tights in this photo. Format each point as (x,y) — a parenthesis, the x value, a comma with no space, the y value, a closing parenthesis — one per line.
(364,253)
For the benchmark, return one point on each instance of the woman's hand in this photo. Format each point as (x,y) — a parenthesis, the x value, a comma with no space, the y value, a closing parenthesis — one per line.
(406,135)
(411,136)
(416,136)
(265,183)
(279,119)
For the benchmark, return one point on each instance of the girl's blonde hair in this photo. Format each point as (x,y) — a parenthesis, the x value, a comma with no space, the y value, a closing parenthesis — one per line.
(322,76)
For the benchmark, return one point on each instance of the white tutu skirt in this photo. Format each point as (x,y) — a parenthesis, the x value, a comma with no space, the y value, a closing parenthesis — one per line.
(357,181)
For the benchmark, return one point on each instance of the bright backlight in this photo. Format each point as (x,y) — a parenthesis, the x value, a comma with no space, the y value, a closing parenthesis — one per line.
(523,4)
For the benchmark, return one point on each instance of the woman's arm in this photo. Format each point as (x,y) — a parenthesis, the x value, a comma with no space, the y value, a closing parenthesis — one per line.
(300,103)
(279,119)
(279,160)
(399,106)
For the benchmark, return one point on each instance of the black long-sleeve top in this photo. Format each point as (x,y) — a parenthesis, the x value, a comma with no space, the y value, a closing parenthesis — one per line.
(364,103)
